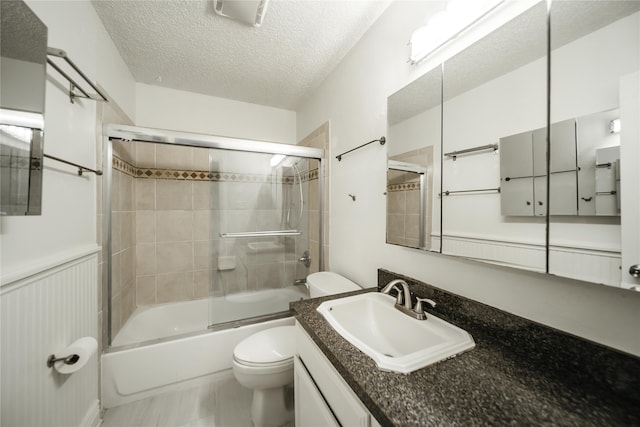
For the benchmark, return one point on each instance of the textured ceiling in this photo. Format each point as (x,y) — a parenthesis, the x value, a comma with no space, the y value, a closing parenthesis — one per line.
(277,64)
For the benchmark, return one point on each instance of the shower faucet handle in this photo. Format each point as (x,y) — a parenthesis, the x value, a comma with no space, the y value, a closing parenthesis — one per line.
(305,259)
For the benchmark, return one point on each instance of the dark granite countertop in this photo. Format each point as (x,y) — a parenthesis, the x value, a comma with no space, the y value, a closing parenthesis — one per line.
(519,373)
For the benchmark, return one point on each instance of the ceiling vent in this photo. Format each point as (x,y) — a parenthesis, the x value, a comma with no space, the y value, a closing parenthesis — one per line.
(246,11)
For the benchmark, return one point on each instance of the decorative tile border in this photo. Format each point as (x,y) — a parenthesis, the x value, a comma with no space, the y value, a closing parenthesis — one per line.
(404,187)
(123,166)
(195,175)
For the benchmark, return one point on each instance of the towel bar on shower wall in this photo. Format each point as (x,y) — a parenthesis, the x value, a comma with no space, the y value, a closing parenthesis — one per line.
(261,233)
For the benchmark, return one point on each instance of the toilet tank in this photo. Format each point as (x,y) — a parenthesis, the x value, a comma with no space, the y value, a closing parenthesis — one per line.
(327,283)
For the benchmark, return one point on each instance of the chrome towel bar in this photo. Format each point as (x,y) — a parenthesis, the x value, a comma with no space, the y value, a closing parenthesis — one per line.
(80,168)
(454,154)
(59,53)
(381,140)
(261,233)
(479,190)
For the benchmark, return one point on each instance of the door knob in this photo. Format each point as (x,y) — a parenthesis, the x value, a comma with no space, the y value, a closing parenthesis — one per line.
(634,270)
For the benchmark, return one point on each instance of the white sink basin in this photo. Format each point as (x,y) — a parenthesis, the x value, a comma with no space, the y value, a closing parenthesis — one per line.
(394,340)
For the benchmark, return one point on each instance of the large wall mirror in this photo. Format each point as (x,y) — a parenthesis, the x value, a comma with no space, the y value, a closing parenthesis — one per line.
(493,89)
(23,56)
(413,172)
(595,57)
(499,112)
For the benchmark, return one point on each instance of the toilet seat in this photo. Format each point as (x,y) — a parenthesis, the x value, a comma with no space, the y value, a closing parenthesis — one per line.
(271,348)
(249,364)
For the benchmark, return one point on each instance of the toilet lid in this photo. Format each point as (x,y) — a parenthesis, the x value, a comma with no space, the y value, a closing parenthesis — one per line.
(270,346)
(331,283)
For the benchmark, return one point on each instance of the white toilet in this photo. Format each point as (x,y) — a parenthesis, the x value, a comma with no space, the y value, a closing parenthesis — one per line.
(264,361)
(327,283)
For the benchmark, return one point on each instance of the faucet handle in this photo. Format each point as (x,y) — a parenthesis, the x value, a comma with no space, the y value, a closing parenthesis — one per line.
(399,296)
(418,308)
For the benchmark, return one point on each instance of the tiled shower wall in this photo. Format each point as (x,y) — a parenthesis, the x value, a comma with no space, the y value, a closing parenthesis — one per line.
(123,244)
(168,210)
(180,210)
(319,139)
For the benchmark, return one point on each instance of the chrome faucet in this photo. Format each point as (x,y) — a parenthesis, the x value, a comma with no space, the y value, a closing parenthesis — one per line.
(300,282)
(403,292)
(403,299)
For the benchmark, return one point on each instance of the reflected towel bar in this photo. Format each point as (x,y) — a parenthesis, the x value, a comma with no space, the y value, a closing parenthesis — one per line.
(52,51)
(382,140)
(479,190)
(454,154)
(262,233)
(80,168)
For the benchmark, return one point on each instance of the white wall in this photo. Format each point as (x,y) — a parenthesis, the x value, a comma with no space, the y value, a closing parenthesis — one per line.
(46,303)
(353,98)
(67,223)
(163,108)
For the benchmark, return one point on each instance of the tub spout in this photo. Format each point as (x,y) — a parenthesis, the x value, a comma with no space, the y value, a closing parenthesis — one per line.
(301,282)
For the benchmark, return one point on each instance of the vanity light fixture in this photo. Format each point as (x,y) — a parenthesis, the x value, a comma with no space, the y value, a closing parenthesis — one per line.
(247,11)
(447,25)
(614,126)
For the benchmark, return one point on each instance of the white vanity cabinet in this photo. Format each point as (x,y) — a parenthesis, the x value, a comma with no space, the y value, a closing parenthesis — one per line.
(322,397)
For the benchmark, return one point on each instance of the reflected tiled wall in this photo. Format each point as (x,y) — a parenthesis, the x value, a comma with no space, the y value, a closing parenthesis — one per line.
(403,200)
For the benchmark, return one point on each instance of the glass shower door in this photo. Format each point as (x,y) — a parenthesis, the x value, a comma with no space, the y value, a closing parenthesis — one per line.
(265,222)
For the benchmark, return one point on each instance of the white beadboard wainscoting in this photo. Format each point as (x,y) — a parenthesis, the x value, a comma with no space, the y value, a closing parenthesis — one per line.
(573,261)
(42,314)
(525,255)
(591,265)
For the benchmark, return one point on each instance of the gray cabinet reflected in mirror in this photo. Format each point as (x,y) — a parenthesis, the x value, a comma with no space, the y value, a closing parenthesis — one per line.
(500,116)
(22,84)
(413,166)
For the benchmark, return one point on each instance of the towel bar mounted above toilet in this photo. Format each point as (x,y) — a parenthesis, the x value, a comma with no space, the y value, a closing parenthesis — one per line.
(381,140)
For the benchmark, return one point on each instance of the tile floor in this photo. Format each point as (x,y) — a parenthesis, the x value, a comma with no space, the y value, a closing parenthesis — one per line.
(222,403)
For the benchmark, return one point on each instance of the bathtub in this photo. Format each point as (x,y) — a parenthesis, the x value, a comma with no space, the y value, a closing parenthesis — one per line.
(166,320)
(135,372)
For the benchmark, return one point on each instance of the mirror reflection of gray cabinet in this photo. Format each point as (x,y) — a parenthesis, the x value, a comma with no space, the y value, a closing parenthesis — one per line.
(563,169)
(598,172)
(516,175)
(523,171)
(574,169)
